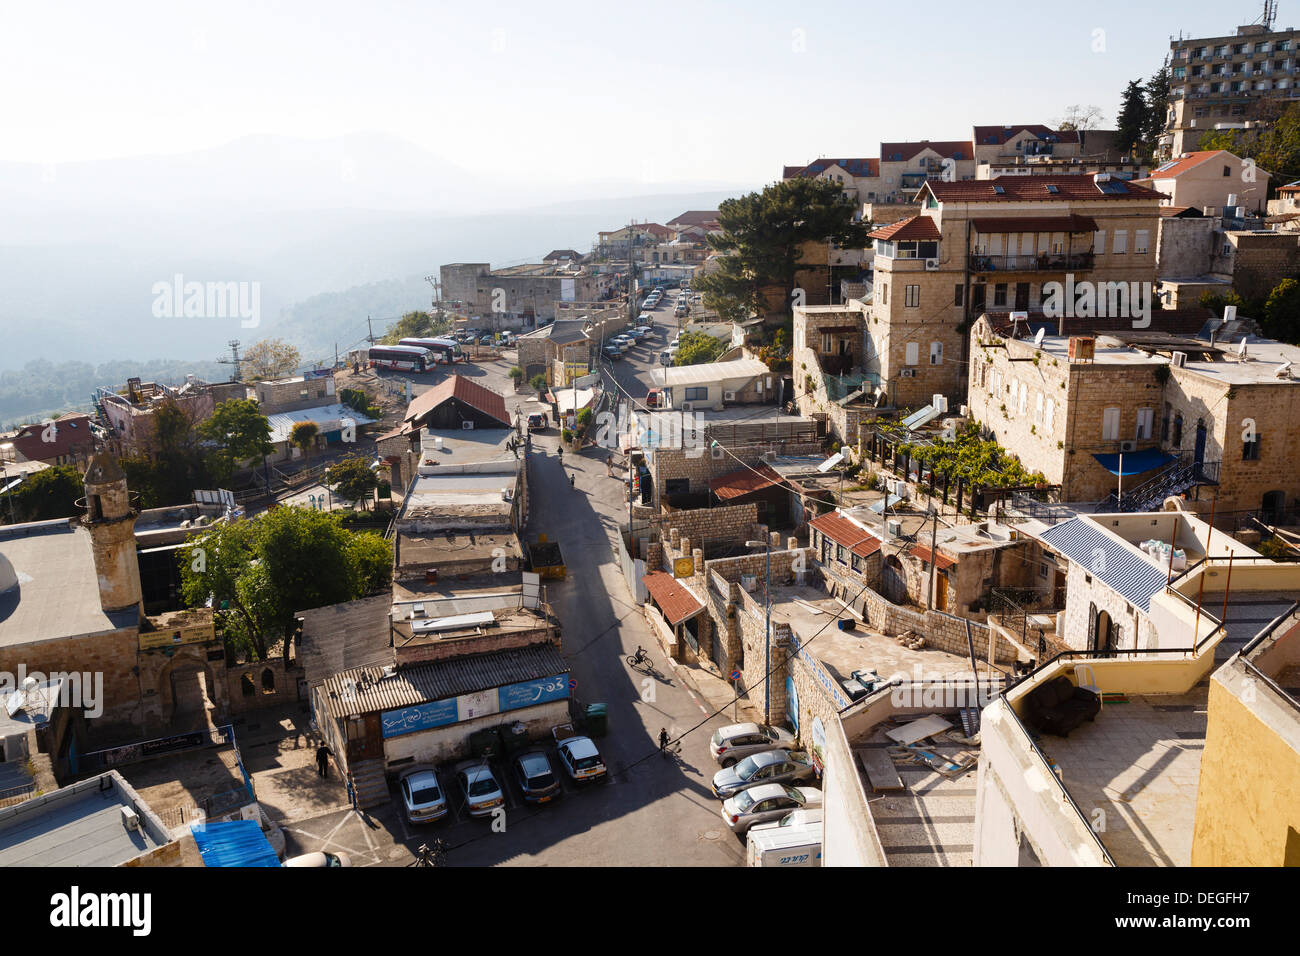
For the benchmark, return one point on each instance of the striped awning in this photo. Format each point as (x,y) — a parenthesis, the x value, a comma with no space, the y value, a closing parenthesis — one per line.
(1112,560)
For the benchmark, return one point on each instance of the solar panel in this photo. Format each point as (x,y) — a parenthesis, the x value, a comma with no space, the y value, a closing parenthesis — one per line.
(1052,188)
(999,190)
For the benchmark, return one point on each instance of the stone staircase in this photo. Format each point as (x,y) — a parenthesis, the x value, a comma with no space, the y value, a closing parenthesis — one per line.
(369,783)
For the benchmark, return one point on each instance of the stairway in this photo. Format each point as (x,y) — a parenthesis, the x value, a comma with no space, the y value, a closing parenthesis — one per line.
(369,783)
(1181,475)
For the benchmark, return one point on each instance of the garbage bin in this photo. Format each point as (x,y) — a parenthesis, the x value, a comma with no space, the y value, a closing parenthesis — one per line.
(485,743)
(597,720)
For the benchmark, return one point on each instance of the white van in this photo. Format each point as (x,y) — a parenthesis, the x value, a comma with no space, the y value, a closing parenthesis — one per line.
(788,846)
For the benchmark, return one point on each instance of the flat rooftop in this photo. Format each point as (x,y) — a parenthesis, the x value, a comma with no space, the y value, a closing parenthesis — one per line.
(809,612)
(1139,762)
(931,822)
(57,594)
(459,494)
(465,447)
(80,825)
(416,548)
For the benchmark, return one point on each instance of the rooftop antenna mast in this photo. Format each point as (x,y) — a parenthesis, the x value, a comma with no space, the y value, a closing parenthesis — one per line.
(234,360)
(1270,14)
(437,289)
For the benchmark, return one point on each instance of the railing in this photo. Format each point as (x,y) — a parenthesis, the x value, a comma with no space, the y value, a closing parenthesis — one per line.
(1181,474)
(16,795)
(1047,262)
(1049,512)
(1012,607)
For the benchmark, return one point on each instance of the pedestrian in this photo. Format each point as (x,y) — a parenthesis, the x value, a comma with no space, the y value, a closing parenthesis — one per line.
(571,477)
(609,465)
(663,739)
(323,760)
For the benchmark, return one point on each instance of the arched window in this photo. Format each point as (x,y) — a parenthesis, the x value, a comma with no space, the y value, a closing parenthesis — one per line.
(268,681)
(246,685)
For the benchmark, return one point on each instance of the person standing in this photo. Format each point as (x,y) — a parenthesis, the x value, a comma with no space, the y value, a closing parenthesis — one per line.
(323,760)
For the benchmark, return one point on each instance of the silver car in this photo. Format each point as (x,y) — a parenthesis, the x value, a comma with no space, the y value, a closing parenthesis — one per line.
(770,801)
(736,742)
(422,796)
(770,766)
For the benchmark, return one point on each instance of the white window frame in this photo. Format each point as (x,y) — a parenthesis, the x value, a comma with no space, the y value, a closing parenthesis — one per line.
(1110,424)
(1120,246)
(936,353)
(911,353)
(1145,427)
(1141,240)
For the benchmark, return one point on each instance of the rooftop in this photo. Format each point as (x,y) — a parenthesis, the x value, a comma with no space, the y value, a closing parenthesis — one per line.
(79,825)
(327,418)
(1039,189)
(465,390)
(460,494)
(456,546)
(56,593)
(710,372)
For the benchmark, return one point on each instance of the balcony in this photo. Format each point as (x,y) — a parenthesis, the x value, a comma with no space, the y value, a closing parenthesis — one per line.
(1044,262)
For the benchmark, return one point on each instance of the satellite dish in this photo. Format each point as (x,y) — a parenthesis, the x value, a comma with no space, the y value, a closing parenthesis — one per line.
(1038,336)
(1241,349)
(1284,370)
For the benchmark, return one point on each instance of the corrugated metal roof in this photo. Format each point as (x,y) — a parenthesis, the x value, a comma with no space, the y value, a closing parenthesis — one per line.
(918,418)
(327,418)
(234,843)
(844,531)
(744,481)
(676,601)
(1111,559)
(366,690)
(711,372)
(463,389)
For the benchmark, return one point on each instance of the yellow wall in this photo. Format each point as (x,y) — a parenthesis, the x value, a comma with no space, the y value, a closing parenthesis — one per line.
(1247,810)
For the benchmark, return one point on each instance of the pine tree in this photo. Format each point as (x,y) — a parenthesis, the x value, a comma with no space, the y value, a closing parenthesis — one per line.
(1131,122)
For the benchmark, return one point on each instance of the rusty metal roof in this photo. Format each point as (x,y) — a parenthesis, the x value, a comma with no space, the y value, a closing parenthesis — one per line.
(675,601)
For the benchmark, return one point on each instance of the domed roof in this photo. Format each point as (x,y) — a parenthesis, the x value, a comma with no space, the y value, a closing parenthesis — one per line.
(8,576)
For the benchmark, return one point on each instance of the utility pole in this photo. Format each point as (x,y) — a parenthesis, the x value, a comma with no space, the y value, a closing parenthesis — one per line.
(934,534)
(371,328)
(234,360)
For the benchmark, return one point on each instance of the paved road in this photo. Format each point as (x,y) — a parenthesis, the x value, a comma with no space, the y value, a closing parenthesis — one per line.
(654,811)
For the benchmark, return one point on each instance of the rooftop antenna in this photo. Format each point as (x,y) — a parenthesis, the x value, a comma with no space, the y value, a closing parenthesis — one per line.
(437,289)
(1270,14)
(233,345)
(1038,336)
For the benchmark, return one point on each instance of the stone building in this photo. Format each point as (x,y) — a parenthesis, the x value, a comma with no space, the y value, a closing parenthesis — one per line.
(522,296)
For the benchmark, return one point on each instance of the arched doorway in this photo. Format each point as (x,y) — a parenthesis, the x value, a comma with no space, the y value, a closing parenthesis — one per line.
(893,580)
(188,692)
(1273,506)
(1103,632)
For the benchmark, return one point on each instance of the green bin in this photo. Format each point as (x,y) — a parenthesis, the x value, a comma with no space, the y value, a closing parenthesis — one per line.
(597,720)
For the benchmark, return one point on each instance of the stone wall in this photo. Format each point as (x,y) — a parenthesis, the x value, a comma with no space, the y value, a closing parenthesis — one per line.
(113,655)
(269,683)
(1087,595)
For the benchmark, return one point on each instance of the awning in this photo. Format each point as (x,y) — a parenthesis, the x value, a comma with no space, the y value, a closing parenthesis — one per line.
(1134,462)
(676,602)
(234,843)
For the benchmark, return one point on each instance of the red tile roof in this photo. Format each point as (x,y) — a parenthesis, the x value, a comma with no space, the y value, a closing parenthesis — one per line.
(917,227)
(675,601)
(70,433)
(744,481)
(1034,189)
(858,168)
(470,392)
(941,561)
(695,217)
(845,532)
(997,135)
(1191,160)
(1070,223)
(902,152)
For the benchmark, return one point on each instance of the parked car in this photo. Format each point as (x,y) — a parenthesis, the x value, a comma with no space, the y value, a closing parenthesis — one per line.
(737,741)
(320,859)
(422,795)
(578,755)
(682,310)
(655,398)
(696,298)
(767,802)
(644,330)
(612,352)
(539,422)
(795,818)
(536,778)
(644,317)
(480,788)
(666,357)
(770,766)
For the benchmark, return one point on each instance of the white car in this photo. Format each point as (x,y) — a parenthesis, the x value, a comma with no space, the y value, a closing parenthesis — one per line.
(422,795)
(766,803)
(480,788)
(580,759)
(319,859)
(795,818)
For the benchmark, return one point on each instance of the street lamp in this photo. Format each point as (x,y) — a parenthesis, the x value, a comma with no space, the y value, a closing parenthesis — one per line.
(767,632)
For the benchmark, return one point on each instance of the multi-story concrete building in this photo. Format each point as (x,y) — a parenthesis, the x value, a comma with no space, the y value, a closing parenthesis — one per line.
(1217,82)
(994,245)
(1211,181)
(520,296)
(906,167)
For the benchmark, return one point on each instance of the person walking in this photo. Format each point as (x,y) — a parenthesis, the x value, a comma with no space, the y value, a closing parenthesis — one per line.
(571,477)
(663,739)
(323,760)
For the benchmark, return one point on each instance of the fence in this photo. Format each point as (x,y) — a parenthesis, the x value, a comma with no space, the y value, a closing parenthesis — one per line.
(98,760)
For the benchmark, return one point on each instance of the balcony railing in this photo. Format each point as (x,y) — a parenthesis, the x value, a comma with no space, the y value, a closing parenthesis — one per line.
(1045,262)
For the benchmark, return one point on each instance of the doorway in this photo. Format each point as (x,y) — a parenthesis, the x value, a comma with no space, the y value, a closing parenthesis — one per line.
(190,694)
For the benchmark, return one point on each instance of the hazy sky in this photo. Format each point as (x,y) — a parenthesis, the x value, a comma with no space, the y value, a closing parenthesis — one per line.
(659,92)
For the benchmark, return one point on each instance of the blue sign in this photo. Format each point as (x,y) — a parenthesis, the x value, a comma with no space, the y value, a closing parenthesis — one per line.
(528,693)
(409,720)
(735,675)
(792,703)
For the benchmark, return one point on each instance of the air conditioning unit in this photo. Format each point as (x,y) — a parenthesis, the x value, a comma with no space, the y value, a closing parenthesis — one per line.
(901,490)
(940,402)
(1178,359)
(467,426)
(749,582)
(728,396)
(1128,446)
(130,819)
(686,406)
(894,527)
(931,265)
(909,373)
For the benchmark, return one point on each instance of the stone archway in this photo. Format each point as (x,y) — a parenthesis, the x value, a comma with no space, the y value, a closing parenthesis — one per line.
(188,692)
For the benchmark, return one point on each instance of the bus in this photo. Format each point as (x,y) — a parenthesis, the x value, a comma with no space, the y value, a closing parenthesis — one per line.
(404,357)
(444,350)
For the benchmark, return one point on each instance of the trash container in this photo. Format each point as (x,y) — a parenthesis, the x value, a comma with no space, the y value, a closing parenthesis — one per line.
(485,743)
(846,624)
(597,720)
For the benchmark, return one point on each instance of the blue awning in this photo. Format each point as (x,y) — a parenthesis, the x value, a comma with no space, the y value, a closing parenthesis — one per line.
(234,843)
(1135,462)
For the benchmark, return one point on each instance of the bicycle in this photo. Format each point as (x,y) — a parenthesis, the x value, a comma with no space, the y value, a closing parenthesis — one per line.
(640,658)
(430,856)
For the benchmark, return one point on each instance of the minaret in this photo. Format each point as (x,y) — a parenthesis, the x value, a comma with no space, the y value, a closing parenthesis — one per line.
(111,521)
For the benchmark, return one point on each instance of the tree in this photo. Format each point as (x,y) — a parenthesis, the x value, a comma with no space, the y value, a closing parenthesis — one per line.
(1157,106)
(417,325)
(1132,120)
(1282,312)
(45,495)
(1079,117)
(538,384)
(241,432)
(270,359)
(696,348)
(763,235)
(303,435)
(353,479)
(173,462)
(257,573)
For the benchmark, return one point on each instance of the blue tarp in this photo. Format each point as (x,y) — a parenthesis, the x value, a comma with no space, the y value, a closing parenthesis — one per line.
(1135,462)
(235,843)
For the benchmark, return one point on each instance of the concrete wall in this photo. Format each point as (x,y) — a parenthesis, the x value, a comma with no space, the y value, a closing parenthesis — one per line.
(445,743)
(1183,247)
(288,396)
(112,654)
